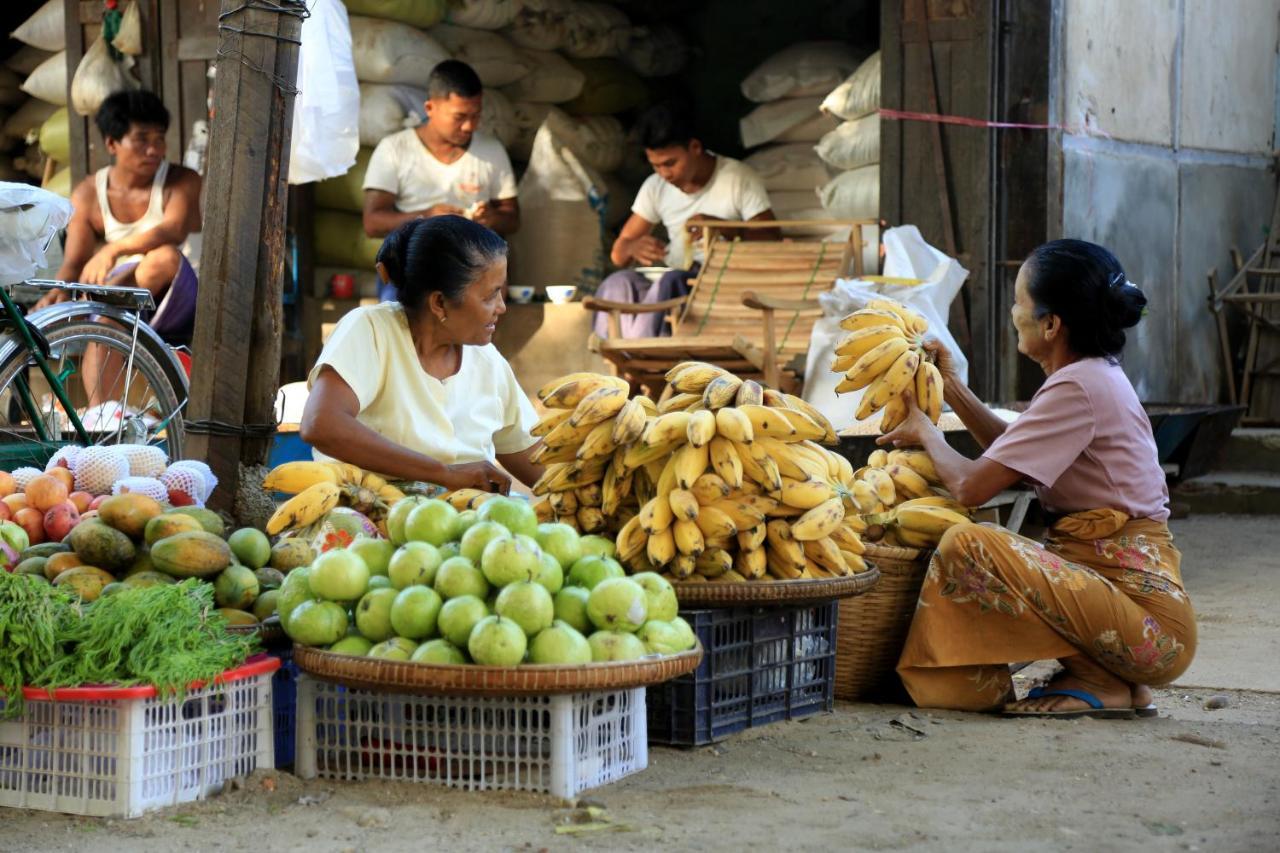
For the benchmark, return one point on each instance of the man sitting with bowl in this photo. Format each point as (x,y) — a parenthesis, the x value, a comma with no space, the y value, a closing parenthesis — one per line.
(689,182)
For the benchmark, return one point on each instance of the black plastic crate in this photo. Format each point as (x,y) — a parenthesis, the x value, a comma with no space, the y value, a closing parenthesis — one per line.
(761,665)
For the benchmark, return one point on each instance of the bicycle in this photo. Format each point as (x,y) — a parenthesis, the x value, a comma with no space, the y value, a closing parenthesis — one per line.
(41,351)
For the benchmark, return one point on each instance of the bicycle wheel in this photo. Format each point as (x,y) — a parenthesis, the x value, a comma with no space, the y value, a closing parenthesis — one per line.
(143,405)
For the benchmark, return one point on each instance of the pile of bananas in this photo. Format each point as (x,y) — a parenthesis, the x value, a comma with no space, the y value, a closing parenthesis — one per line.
(903,501)
(884,353)
(319,487)
(723,481)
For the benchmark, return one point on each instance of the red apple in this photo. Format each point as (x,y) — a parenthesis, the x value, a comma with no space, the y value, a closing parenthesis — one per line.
(32,521)
(59,520)
(177,497)
(97,502)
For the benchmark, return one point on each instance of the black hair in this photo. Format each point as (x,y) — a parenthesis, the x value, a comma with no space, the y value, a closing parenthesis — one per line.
(1085,286)
(664,125)
(130,106)
(453,77)
(441,254)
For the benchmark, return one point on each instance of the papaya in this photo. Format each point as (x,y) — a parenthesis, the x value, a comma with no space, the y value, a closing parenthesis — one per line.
(31,566)
(112,589)
(166,525)
(129,513)
(86,581)
(44,549)
(236,586)
(59,563)
(141,563)
(98,544)
(148,579)
(237,617)
(291,553)
(193,554)
(209,520)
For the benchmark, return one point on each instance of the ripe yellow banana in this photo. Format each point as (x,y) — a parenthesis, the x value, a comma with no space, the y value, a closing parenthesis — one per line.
(799,405)
(907,484)
(629,423)
(752,537)
(546,390)
(784,545)
(715,524)
(928,388)
(743,514)
(912,320)
(683,504)
(661,547)
(701,428)
(806,494)
(873,364)
(938,500)
(640,454)
(853,346)
(848,540)
(918,461)
(598,443)
(709,488)
(688,537)
(867,317)
(690,463)
(568,435)
(781,568)
(721,391)
(882,484)
(751,564)
(631,539)
(590,495)
(713,562)
(667,429)
(656,516)
(894,413)
(564,503)
(294,477)
(750,393)
(769,422)
(734,425)
(819,522)
(678,403)
(304,508)
(930,520)
(591,519)
(826,554)
(600,405)
(572,392)
(806,428)
(724,459)
(897,378)
(552,419)
(390,494)
(691,377)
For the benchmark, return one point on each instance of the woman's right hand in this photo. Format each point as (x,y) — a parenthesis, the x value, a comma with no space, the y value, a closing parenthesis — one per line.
(477,475)
(944,361)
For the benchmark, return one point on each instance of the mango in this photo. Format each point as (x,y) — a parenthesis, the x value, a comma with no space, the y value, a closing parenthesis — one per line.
(148,579)
(237,617)
(59,563)
(31,566)
(45,549)
(236,586)
(168,524)
(194,554)
(291,553)
(209,520)
(129,513)
(98,544)
(85,581)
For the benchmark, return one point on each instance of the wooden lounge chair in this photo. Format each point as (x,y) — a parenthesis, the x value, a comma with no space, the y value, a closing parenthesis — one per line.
(751,309)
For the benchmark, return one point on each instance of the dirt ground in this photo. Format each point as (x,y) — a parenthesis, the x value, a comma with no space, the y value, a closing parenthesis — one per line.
(866,777)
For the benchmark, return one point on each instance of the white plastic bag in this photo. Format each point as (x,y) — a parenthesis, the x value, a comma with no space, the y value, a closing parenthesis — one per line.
(907,255)
(482,14)
(551,79)
(595,30)
(384,109)
(768,122)
(326,111)
(600,142)
(541,24)
(529,116)
(391,52)
(45,29)
(794,166)
(495,59)
(128,39)
(852,144)
(97,77)
(29,219)
(858,95)
(808,68)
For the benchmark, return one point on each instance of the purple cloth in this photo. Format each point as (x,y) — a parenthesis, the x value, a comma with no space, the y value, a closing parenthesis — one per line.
(174,319)
(630,286)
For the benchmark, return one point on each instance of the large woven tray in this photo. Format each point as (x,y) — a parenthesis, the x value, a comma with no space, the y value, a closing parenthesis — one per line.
(468,680)
(765,593)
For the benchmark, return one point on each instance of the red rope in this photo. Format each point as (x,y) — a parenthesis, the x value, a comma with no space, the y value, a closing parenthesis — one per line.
(903,115)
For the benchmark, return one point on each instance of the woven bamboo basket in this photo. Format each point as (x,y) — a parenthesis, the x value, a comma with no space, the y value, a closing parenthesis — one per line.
(467,680)
(872,628)
(764,594)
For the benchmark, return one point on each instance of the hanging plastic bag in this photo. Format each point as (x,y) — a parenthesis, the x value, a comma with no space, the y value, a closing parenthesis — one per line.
(907,255)
(326,111)
(48,82)
(29,219)
(45,29)
(128,39)
(97,77)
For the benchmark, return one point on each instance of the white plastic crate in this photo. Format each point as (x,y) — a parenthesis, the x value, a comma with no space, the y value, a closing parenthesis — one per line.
(121,752)
(559,745)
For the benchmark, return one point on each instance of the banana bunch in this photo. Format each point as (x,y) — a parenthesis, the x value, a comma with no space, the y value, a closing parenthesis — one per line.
(724,480)
(902,501)
(319,487)
(884,354)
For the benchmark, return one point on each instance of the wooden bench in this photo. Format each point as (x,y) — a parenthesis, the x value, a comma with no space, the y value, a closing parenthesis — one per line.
(751,308)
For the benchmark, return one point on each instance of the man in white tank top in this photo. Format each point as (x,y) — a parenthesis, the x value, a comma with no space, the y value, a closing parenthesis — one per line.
(135,223)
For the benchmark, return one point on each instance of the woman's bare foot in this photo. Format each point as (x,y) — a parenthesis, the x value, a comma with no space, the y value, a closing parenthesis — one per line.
(1081,673)
(1142,696)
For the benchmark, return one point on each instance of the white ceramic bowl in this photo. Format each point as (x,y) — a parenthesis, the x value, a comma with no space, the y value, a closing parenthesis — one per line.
(520,294)
(561,293)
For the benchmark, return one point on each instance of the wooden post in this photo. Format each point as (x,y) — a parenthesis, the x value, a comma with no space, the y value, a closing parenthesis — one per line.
(238,318)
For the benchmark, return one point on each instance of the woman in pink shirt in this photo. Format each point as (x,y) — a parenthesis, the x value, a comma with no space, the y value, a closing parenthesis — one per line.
(1103,594)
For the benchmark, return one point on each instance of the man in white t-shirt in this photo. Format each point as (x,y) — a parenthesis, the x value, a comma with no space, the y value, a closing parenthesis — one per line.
(442,166)
(688,182)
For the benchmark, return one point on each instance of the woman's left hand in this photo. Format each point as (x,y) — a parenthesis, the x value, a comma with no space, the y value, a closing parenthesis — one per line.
(912,431)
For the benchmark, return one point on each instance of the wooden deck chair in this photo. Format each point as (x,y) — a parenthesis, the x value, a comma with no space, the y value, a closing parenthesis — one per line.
(751,308)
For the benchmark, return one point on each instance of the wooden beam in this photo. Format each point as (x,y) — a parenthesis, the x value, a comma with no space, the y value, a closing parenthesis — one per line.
(239,313)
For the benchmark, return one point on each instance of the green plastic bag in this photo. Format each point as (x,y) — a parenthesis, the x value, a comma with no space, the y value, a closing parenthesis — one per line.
(417,13)
(345,192)
(340,240)
(55,136)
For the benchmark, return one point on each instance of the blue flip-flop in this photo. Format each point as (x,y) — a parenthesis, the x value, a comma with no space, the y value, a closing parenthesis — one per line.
(1096,709)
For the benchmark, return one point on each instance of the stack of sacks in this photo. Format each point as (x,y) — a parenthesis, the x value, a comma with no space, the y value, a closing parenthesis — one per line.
(853,148)
(33,99)
(789,87)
